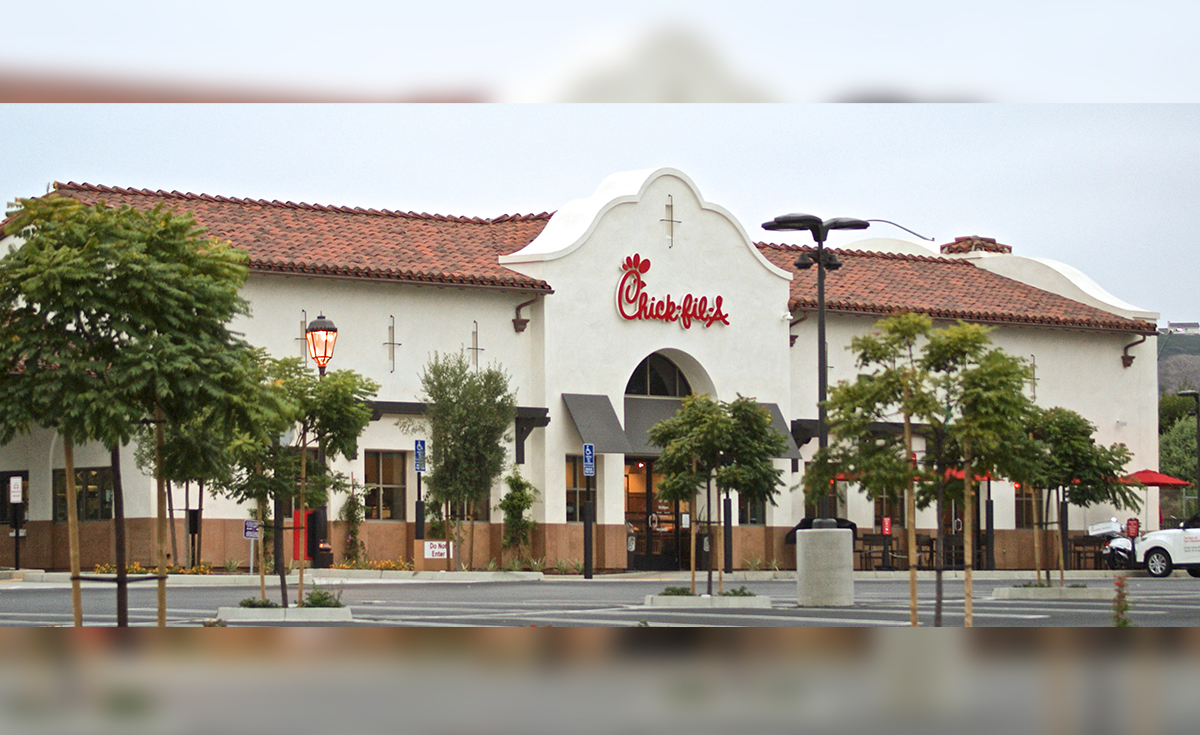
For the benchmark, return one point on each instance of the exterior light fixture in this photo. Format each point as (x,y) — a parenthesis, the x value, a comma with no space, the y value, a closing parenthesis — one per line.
(824,261)
(321,336)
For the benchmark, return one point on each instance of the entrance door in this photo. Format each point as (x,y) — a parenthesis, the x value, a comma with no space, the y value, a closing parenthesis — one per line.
(655,539)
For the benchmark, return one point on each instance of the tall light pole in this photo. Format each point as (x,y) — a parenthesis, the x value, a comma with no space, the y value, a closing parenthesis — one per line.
(1195,395)
(825,261)
(321,336)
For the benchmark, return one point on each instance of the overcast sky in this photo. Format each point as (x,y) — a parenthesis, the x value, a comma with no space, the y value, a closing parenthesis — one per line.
(1107,182)
(1109,189)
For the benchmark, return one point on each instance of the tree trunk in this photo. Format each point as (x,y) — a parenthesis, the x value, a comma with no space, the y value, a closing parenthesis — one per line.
(200,522)
(303,528)
(910,516)
(968,537)
(160,535)
(692,524)
(73,529)
(446,533)
(171,524)
(1062,562)
(1037,532)
(262,559)
(277,545)
(939,553)
(119,540)
(471,540)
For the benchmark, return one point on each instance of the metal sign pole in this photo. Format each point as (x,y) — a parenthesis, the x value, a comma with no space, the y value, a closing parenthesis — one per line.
(589,508)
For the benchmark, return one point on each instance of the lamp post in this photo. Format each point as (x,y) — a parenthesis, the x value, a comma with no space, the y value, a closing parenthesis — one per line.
(825,261)
(321,336)
(1195,395)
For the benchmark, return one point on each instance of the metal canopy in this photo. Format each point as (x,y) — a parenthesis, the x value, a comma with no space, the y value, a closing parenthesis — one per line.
(597,422)
(641,413)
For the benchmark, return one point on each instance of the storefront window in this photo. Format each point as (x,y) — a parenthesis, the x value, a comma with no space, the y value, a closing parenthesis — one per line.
(892,508)
(1023,501)
(658,376)
(576,489)
(385,498)
(5,506)
(751,512)
(93,493)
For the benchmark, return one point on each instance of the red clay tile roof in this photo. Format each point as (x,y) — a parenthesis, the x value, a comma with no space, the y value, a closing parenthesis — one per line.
(309,239)
(943,288)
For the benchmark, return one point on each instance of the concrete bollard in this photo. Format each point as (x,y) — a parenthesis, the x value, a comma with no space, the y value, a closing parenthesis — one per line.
(825,567)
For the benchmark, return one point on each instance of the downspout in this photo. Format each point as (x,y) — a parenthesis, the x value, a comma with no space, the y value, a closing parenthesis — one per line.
(519,323)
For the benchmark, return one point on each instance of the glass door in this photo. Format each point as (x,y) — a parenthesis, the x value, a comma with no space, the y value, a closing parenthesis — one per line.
(655,539)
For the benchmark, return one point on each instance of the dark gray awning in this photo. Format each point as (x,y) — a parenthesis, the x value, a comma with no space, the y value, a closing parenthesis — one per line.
(779,424)
(597,422)
(641,414)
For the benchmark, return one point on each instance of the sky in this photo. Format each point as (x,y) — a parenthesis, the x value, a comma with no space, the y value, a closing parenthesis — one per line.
(1063,128)
(1109,189)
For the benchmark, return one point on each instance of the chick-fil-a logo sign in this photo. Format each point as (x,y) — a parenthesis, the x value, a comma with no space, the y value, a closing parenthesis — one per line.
(634,303)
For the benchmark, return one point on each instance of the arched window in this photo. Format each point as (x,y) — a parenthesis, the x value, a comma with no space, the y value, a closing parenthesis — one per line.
(658,376)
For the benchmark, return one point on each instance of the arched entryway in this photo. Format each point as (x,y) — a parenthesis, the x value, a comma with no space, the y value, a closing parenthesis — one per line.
(657,530)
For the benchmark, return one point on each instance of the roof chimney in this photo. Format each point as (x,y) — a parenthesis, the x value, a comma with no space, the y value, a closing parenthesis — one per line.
(975,244)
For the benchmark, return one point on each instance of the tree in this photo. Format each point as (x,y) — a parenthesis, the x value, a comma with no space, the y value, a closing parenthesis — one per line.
(1057,452)
(1177,458)
(894,381)
(732,443)
(982,391)
(115,316)
(469,413)
(518,528)
(968,399)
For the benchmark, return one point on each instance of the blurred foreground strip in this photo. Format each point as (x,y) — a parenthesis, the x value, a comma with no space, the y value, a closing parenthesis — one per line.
(599,681)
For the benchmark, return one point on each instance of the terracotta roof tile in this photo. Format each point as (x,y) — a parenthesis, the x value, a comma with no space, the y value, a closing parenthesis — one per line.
(310,239)
(943,288)
(974,243)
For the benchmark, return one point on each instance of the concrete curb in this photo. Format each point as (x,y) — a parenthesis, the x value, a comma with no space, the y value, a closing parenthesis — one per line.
(757,601)
(284,614)
(1105,594)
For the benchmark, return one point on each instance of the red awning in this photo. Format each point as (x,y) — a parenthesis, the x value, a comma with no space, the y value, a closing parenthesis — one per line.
(1155,479)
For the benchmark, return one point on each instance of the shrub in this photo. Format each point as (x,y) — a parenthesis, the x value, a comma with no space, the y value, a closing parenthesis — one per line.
(739,592)
(256,602)
(677,592)
(233,565)
(323,598)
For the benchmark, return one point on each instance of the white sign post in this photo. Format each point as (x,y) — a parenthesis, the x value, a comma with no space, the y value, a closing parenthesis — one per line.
(251,530)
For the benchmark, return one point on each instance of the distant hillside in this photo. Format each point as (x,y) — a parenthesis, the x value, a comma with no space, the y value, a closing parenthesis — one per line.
(1178,362)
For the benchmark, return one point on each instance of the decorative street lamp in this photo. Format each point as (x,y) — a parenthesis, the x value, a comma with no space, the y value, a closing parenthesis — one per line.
(825,261)
(1196,395)
(321,336)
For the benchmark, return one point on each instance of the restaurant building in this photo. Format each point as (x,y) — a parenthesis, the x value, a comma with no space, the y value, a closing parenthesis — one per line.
(604,315)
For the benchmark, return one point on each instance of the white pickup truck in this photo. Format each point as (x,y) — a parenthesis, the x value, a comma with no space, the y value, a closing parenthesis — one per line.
(1164,551)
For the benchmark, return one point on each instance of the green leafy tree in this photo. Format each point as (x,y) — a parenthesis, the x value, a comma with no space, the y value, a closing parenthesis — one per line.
(1172,408)
(730,443)
(114,316)
(469,412)
(1061,455)
(981,390)
(1177,458)
(518,527)
(892,381)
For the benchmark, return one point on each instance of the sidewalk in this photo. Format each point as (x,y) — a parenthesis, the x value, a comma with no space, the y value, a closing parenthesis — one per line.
(325,576)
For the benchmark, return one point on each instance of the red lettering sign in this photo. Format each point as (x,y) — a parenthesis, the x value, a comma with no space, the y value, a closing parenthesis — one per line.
(634,303)
(1132,527)
(887,525)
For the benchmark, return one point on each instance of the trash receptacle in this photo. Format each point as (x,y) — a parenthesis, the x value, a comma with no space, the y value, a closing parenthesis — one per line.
(323,559)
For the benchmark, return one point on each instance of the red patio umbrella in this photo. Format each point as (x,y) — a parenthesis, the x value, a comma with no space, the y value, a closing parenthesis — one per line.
(1155,479)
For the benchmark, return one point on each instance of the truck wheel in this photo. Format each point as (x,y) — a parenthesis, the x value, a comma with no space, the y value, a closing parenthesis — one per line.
(1158,563)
